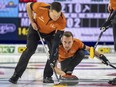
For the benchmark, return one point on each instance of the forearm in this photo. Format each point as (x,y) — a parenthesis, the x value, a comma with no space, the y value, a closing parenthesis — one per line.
(97,54)
(55,45)
(59,71)
(30,13)
(56,42)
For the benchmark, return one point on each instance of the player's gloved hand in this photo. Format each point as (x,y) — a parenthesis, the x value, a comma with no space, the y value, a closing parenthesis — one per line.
(113,82)
(52,63)
(104,59)
(34,25)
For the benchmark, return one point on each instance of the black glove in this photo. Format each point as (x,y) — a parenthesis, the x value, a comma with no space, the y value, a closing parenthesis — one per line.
(113,82)
(52,63)
(104,59)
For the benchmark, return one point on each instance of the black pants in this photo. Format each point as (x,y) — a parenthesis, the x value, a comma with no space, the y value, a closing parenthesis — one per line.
(69,64)
(32,42)
(114,31)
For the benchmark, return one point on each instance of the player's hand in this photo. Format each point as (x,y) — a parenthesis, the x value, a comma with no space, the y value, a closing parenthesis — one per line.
(52,63)
(109,7)
(34,25)
(104,59)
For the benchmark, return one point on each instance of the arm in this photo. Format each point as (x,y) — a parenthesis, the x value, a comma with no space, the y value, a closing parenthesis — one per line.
(109,6)
(54,51)
(97,54)
(59,71)
(31,15)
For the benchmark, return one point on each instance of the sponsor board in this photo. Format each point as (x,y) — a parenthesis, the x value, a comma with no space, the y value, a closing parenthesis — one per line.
(82,20)
(105,49)
(18,49)
(8,28)
(9,8)
(7,49)
(27,1)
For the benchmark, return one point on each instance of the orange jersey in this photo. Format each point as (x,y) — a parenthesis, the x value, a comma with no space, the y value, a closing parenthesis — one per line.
(44,22)
(113,4)
(63,54)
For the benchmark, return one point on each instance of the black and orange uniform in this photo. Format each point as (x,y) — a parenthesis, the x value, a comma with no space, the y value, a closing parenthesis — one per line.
(70,59)
(113,6)
(50,30)
(44,22)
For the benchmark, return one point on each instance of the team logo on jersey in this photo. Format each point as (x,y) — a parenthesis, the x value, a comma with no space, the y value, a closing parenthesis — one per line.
(52,25)
(41,18)
(72,51)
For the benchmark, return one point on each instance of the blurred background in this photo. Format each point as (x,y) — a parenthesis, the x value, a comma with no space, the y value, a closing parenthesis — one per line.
(84,19)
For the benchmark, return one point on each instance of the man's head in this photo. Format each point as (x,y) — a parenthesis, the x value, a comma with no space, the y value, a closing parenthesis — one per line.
(67,40)
(55,10)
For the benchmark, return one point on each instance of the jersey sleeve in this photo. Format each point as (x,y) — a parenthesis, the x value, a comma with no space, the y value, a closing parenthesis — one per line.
(80,44)
(62,23)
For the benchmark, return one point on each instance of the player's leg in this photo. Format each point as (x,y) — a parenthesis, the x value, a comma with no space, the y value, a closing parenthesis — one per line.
(114,31)
(113,81)
(48,72)
(32,42)
(69,64)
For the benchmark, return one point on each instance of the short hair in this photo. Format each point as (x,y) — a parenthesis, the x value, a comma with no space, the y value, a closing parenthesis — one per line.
(67,34)
(56,6)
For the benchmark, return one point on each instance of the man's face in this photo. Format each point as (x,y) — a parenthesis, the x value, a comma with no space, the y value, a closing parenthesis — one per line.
(54,15)
(67,42)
